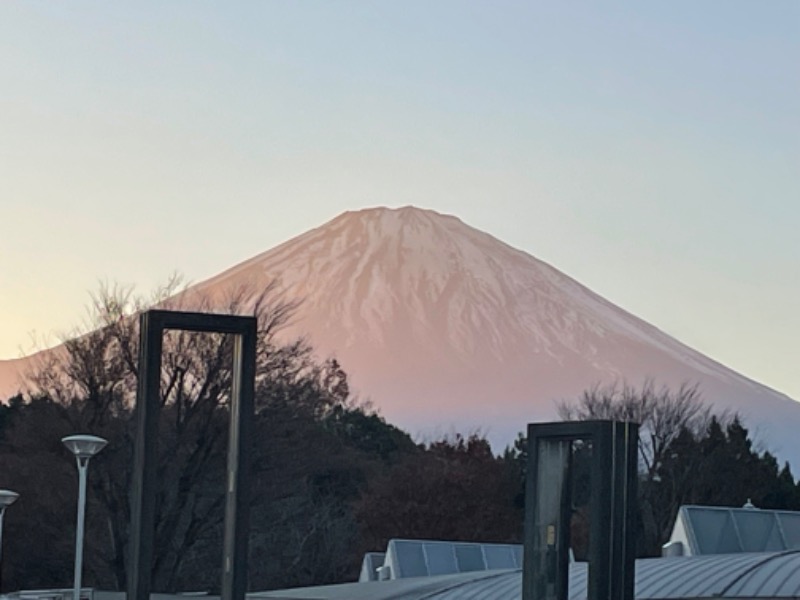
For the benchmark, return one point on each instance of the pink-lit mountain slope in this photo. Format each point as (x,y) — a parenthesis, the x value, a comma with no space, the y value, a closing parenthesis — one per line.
(9,376)
(444,327)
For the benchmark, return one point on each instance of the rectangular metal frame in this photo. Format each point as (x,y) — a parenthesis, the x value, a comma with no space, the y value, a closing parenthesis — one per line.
(612,507)
(152,325)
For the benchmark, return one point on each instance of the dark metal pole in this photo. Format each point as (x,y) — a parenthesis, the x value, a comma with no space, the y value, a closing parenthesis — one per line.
(627,445)
(547,516)
(152,325)
(2,514)
(601,526)
(237,500)
(614,447)
(143,489)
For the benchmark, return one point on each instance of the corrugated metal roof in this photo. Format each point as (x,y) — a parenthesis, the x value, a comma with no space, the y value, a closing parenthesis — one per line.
(761,575)
(397,589)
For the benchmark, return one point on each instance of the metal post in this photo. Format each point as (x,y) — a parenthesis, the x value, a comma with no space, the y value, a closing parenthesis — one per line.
(237,503)
(152,325)
(602,526)
(83,465)
(143,490)
(2,513)
(7,498)
(83,447)
(612,509)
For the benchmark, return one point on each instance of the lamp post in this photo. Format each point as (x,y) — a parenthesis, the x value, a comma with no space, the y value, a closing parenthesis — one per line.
(7,498)
(83,447)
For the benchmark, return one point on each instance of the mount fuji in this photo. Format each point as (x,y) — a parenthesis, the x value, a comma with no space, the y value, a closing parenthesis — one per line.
(444,327)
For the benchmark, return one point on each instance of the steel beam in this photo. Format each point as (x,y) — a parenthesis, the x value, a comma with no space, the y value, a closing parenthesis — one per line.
(152,325)
(548,508)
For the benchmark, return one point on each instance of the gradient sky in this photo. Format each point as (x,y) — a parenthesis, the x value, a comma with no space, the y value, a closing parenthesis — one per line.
(649,150)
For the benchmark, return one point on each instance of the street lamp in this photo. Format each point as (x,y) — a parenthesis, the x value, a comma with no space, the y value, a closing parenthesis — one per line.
(7,498)
(83,447)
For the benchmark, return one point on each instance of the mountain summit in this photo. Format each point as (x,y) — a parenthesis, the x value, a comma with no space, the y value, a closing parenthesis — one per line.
(445,327)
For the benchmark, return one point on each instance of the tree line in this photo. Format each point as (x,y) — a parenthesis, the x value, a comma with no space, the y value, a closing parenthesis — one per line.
(331,478)
(324,465)
(687,455)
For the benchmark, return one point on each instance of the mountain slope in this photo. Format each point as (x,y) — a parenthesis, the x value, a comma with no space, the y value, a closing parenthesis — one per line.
(441,324)
(444,326)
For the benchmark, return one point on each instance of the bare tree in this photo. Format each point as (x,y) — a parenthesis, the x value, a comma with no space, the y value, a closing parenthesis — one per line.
(94,377)
(662,414)
(667,418)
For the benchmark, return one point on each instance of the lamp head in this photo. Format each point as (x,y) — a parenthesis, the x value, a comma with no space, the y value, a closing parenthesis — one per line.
(84,446)
(7,498)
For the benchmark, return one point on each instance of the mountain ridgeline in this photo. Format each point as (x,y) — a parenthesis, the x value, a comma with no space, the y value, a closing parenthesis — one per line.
(444,327)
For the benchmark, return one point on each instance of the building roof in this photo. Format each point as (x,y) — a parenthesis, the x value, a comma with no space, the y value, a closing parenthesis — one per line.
(769,575)
(721,530)
(423,558)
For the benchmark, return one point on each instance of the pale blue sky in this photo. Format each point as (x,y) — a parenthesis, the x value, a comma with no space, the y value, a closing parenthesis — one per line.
(650,150)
